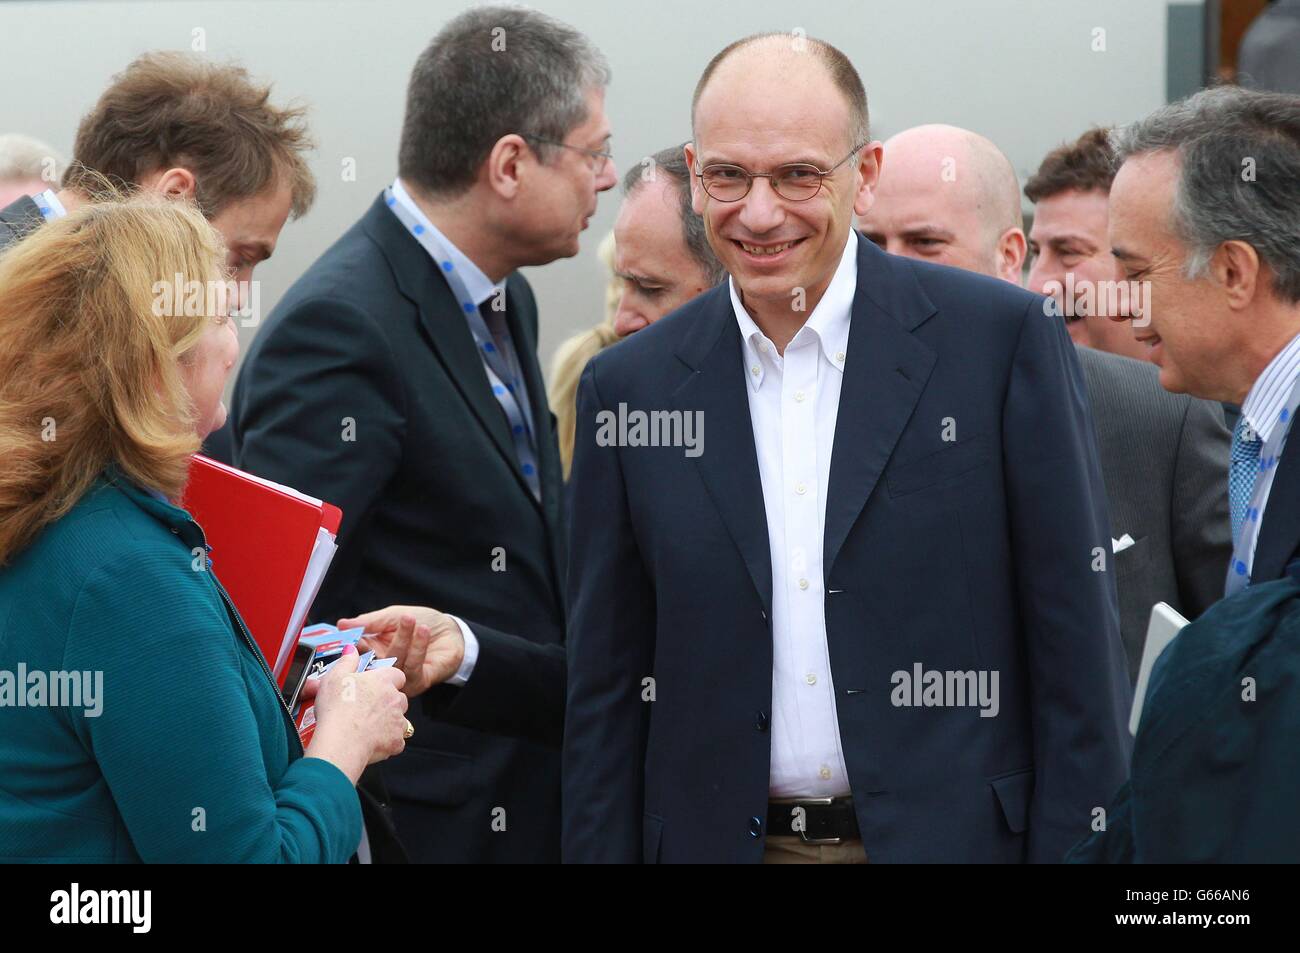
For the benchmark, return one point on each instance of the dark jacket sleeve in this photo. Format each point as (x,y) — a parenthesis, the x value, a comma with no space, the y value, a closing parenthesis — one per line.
(1114,843)
(1202,539)
(1079,685)
(319,407)
(516,689)
(17,219)
(611,649)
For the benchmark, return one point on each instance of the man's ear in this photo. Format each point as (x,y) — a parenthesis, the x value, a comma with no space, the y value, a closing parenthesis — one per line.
(1011,254)
(870,162)
(1236,268)
(697,191)
(509,162)
(177,182)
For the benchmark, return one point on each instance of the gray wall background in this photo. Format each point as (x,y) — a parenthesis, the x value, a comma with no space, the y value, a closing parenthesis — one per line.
(1023,72)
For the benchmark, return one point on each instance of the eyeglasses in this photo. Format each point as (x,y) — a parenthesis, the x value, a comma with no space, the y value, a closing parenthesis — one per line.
(797,181)
(598,156)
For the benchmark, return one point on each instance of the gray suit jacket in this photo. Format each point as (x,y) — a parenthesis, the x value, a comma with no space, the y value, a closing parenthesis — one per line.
(1164,460)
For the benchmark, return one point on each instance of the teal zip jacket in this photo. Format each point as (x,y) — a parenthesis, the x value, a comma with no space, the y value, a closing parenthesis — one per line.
(185,752)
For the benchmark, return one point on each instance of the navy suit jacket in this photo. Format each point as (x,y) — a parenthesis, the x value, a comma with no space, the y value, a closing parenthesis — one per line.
(1278,543)
(371,336)
(966,555)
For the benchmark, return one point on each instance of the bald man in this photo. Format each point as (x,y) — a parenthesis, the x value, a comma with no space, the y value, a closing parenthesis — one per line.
(946,200)
(950,195)
(831,583)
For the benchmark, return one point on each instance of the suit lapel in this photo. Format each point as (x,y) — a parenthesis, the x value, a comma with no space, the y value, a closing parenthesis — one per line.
(729,465)
(447,330)
(885,371)
(1280,533)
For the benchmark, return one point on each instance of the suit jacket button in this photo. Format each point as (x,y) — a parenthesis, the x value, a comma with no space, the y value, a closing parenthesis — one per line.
(760,721)
(755,826)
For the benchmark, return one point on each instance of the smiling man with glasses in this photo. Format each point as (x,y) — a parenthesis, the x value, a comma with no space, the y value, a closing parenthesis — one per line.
(873,617)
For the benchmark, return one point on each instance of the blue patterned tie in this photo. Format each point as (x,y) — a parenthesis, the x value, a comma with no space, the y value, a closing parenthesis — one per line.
(1242,471)
(500,355)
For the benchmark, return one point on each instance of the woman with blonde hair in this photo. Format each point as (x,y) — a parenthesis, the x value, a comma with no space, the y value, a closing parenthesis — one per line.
(138,721)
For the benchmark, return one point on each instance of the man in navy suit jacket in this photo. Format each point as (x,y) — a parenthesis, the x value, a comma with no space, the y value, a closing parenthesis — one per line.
(840,579)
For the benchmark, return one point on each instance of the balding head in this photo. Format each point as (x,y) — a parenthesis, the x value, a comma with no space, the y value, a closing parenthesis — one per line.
(949,195)
(776,55)
(763,104)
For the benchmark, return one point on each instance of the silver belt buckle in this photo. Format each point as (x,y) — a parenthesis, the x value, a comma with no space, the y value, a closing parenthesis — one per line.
(803,834)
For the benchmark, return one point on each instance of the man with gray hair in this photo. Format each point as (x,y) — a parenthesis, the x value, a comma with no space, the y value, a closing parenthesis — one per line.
(1203,212)
(398,378)
(27,167)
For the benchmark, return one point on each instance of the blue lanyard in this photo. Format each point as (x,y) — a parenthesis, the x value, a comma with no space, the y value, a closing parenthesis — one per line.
(499,360)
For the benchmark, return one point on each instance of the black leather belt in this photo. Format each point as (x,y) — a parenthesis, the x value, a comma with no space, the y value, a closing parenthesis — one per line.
(814,820)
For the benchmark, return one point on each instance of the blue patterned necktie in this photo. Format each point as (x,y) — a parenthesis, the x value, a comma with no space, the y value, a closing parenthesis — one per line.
(501,356)
(1242,472)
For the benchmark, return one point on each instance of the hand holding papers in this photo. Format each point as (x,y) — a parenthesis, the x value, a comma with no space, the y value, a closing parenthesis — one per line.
(358,717)
(322,646)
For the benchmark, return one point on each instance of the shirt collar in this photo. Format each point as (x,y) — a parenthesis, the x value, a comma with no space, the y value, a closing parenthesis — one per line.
(477,285)
(1272,389)
(828,324)
(49,204)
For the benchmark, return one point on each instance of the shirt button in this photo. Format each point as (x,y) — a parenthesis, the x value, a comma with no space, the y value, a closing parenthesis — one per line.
(803,583)
(801,488)
(799,395)
(825,773)
(810,678)
(754,370)
(839,357)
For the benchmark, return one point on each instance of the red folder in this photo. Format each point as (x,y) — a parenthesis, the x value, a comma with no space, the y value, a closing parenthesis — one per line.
(262,537)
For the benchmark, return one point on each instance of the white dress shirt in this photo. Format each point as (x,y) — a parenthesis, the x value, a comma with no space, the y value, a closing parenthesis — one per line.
(793,404)
(1262,410)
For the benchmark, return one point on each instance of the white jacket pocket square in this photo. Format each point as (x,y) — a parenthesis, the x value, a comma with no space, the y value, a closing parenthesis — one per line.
(1121,544)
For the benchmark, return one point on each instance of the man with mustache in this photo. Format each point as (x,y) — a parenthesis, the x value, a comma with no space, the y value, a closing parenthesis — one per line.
(898,475)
